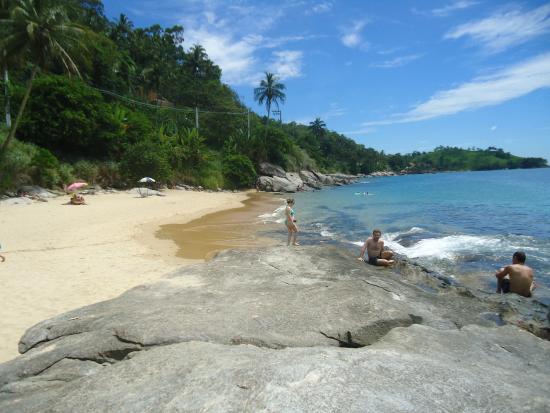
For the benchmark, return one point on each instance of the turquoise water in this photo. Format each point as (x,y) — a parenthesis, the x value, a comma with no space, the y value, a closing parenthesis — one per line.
(465,225)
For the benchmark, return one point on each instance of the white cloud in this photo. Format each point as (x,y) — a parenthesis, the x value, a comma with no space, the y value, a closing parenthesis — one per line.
(493,128)
(363,131)
(351,36)
(504,85)
(234,56)
(287,64)
(243,55)
(397,61)
(322,7)
(450,8)
(505,29)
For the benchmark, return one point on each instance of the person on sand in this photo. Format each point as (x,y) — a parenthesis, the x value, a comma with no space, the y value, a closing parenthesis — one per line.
(2,258)
(375,251)
(77,199)
(517,277)
(290,222)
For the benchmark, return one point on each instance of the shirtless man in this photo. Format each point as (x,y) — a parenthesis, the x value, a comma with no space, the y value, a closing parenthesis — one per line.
(375,251)
(520,277)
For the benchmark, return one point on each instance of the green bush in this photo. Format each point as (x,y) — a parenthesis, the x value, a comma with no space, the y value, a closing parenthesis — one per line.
(44,168)
(66,175)
(238,171)
(15,165)
(86,170)
(109,174)
(146,159)
(67,116)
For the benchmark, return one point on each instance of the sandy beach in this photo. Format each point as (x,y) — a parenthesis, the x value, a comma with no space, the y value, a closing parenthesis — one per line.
(59,257)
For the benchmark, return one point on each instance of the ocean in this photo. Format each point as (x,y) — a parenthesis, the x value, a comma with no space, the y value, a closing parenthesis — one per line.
(464,225)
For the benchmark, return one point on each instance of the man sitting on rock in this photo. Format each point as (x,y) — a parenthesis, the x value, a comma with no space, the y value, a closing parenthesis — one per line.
(517,277)
(375,251)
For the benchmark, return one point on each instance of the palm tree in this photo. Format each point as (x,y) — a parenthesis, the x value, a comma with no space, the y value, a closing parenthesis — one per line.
(5,6)
(197,56)
(317,127)
(270,91)
(38,32)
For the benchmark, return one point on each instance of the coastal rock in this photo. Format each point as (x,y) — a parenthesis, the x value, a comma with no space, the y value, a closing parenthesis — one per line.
(35,191)
(294,178)
(261,330)
(276,184)
(268,169)
(411,369)
(310,179)
(17,201)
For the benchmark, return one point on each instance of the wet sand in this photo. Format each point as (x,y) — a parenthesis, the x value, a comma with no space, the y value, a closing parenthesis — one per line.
(239,227)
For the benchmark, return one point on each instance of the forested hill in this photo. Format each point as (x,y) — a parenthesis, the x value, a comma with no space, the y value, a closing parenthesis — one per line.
(111,103)
(456,159)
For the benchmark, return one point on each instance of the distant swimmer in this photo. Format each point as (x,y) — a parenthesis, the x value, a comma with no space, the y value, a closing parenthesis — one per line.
(375,251)
(517,277)
(363,193)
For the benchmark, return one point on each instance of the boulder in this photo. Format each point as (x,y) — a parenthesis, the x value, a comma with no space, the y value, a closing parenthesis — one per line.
(283,185)
(17,201)
(294,178)
(310,179)
(37,191)
(268,169)
(279,329)
(325,179)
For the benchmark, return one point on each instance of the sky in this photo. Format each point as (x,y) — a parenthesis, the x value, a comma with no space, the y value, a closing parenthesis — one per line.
(398,76)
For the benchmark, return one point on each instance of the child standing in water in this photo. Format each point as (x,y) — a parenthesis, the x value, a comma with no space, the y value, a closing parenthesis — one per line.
(290,222)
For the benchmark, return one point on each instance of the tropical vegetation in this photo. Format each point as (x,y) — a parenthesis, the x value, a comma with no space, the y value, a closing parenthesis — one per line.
(108,102)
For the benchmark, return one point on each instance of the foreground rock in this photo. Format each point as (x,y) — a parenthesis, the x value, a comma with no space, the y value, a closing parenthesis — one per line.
(267,330)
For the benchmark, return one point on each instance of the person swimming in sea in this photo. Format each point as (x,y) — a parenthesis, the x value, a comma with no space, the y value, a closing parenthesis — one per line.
(374,247)
(516,278)
(290,222)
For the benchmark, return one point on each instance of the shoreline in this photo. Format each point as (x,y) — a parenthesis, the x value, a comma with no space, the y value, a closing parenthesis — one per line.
(61,257)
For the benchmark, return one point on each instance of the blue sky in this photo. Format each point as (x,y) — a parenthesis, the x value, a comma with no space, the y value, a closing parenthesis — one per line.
(394,75)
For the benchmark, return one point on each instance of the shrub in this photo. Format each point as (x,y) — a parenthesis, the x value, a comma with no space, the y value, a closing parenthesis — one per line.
(109,174)
(44,168)
(86,170)
(238,171)
(66,175)
(67,116)
(145,159)
(15,165)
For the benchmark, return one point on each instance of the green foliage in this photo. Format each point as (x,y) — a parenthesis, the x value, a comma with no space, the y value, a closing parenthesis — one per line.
(44,168)
(109,174)
(146,158)
(67,116)
(457,159)
(238,171)
(86,171)
(16,164)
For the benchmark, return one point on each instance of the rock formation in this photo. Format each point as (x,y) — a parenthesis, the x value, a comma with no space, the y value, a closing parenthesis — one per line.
(274,179)
(285,329)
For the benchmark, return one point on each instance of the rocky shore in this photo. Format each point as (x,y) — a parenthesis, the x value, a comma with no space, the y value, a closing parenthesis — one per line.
(273,178)
(306,329)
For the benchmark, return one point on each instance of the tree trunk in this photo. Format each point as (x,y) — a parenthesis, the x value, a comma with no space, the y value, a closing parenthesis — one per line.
(11,135)
(7,97)
(267,120)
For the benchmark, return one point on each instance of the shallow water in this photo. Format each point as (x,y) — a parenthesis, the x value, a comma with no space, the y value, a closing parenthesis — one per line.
(465,225)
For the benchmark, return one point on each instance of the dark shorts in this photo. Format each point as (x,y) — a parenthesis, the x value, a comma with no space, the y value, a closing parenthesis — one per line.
(505,286)
(373,260)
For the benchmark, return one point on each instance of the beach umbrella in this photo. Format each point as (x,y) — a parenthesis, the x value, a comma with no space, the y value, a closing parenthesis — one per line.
(147,179)
(76,186)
